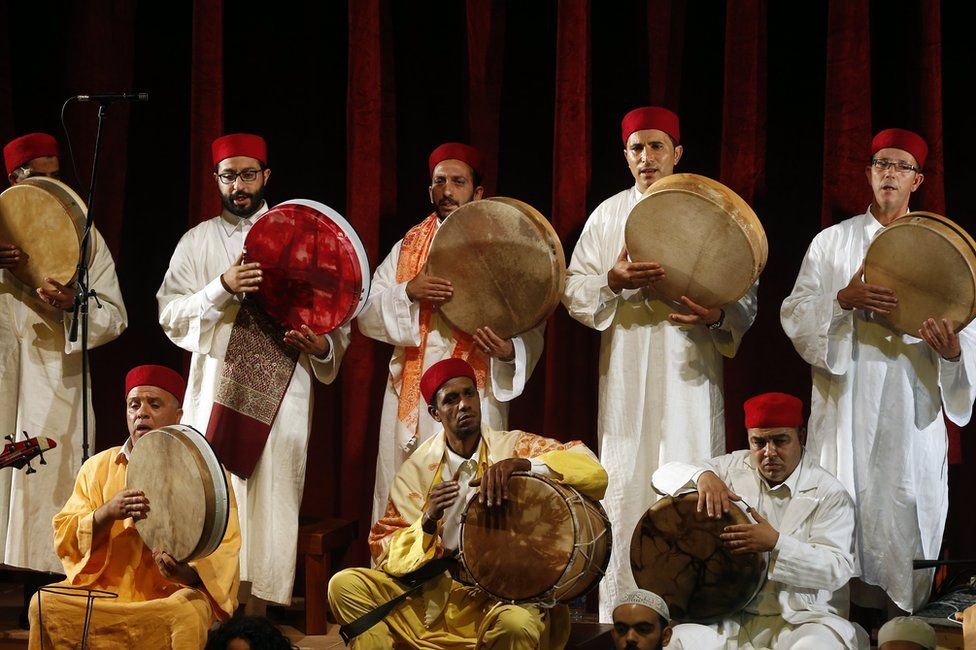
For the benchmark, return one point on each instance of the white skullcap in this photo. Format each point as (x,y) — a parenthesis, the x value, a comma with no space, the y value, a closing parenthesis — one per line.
(648,599)
(906,628)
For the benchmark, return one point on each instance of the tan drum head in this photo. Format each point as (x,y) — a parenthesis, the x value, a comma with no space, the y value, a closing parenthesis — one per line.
(708,240)
(676,553)
(45,218)
(187,492)
(506,264)
(930,264)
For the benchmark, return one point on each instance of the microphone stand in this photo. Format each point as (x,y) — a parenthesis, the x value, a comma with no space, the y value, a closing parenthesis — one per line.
(83,293)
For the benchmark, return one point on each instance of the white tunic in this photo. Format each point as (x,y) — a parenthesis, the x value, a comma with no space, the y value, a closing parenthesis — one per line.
(389,316)
(40,393)
(660,383)
(198,315)
(876,412)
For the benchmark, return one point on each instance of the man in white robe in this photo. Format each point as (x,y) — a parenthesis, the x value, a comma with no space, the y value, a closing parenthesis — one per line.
(198,303)
(402,311)
(876,418)
(40,374)
(660,371)
(804,519)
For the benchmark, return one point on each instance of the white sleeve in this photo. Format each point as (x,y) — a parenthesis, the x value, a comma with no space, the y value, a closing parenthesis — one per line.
(587,296)
(389,315)
(107,322)
(739,317)
(508,378)
(326,369)
(956,380)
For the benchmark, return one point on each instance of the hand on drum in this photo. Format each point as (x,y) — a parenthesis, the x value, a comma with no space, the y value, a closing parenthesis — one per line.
(494,480)
(11,256)
(127,503)
(941,338)
(493,345)
(308,341)
(174,571)
(427,288)
(633,275)
(750,538)
(714,495)
(698,314)
(57,295)
(242,278)
(869,297)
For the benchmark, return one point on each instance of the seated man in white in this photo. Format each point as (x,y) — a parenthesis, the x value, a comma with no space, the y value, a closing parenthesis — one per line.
(804,520)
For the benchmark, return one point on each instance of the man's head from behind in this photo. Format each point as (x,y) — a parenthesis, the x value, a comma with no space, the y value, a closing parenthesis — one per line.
(906,633)
(451,391)
(34,154)
(455,177)
(774,426)
(641,621)
(247,633)
(241,171)
(153,395)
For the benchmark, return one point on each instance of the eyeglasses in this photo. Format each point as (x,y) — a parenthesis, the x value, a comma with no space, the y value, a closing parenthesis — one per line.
(247,175)
(900,166)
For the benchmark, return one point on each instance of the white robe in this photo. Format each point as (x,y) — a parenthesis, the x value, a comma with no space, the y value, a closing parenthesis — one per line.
(198,315)
(660,383)
(390,317)
(808,571)
(876,412)
(40,394)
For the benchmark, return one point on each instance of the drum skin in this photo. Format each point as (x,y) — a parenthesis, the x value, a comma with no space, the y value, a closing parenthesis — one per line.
(930,264)
(676,553)
(187,490)
(45,218)
(506,263)
(709,242)
(547,543)
(315,269)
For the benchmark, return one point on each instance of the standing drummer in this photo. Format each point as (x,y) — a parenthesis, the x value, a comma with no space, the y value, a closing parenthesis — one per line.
(879,397)
(661,369)
(40,373)
(402,311)
(804,520)
(198,303)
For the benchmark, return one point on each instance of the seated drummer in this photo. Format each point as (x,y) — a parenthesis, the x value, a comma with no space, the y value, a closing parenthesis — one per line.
(161,603)
(422,523)
(804,520)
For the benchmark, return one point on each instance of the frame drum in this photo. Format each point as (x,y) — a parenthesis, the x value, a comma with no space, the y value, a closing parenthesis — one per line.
(548,544)
(676,552)
(46,219)
(315,269)
(506,264)
(189,503)
(930,264)
(709,242)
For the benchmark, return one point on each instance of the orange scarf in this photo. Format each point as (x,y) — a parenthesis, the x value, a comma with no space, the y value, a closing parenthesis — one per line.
(413,259)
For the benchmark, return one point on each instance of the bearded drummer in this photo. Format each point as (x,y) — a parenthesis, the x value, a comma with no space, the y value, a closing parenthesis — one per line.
(161,602)
(661,369)
(880,399)
(466,459)
(402,311)
(804,519)
(199,300)
(40,371)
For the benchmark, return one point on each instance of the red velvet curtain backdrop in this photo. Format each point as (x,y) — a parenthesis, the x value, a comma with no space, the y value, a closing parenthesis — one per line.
(778,101)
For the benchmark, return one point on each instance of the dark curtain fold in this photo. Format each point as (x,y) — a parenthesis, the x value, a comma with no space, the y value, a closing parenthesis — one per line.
(486,53)
(206,105)
(665,47)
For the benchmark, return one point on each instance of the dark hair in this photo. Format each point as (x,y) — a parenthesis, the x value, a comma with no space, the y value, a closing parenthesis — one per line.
(258,631)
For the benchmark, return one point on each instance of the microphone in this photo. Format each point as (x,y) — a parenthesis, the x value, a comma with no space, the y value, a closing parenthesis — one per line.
(114,97)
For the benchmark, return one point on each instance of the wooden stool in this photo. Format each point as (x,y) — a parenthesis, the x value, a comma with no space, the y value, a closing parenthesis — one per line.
(322,543)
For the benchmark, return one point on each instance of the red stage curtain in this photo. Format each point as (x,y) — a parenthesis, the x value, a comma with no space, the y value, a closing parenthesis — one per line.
(206,105)
(486,46)
(665,47)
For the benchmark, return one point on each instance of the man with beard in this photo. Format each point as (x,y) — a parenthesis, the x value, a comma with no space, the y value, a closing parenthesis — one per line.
(641,621)
(423,520)
(199,302)
(880,397)
(402,311)
(660,369)
(40,373)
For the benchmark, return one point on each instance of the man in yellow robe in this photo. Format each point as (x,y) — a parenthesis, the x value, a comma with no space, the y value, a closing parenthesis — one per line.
(422,523)
(161,603)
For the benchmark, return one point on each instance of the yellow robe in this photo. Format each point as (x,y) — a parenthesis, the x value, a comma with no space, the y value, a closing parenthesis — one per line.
(150,611)
(447,614)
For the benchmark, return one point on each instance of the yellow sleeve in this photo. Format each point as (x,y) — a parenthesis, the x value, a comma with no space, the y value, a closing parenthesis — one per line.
(411,548)
(578,468)
(220,571)
(82,563)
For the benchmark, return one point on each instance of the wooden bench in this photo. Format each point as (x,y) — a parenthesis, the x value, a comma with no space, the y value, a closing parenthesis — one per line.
(321,545)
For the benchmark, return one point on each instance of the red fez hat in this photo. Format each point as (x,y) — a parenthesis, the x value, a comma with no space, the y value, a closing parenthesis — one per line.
(773,410)
(902,139)
(455,151)
(158,376)
(442,372)
(28,147)
(650,117)
(239,144)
